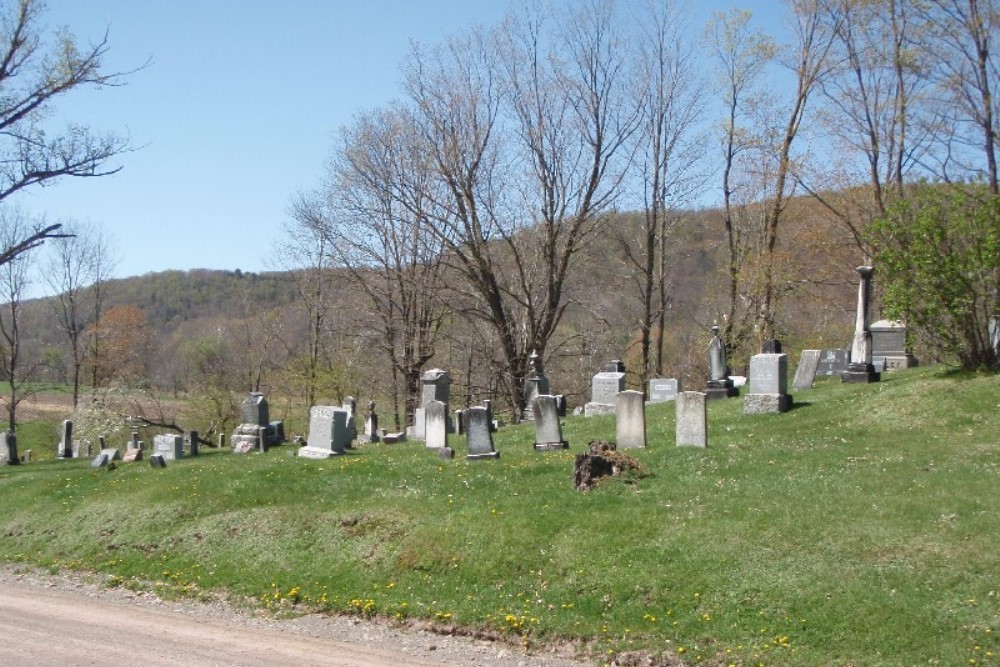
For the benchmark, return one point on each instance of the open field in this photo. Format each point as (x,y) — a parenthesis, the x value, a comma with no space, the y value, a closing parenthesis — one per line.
(859,528)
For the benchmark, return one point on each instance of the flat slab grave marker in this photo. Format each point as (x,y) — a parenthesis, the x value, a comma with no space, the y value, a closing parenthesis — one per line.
(548,430)
(328,434)
(630,420)
(692,419)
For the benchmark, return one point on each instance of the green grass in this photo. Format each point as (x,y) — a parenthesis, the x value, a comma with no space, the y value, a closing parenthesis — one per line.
(858,529)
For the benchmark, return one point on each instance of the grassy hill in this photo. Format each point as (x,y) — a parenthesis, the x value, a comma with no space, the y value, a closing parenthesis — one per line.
(858,529)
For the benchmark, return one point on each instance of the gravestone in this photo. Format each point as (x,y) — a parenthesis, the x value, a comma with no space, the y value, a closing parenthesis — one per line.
(249,436)
(771,346)
(10,448)
(662,390)
(106,456)
(630,420)
(191,442)
(371,425)
(860,368)
(328,435)
(132,455)
(889,344)
(100,461)
(805,374)
(720,385)
(480,435)
(135,443)
(64,449)
(435,425)
(548,430)
(157,461)
(832,362)
(535,384)
(768,385)
(560,404)
(351,405)
(692,419)
(171,447)
(459,422)
(604,386)
(26,457)
(80,449)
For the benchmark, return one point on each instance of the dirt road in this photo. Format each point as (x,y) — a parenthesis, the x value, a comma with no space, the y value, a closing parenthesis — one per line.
(52,621)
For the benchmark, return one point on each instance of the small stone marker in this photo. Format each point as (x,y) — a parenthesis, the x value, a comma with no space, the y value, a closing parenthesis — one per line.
(662,390)
(132,455)
(171,447)
(100,461)
(548,430)
(805,374)
(692,419)
(157,461)
(480,435)
(630,420)
(435,425)
(393,438)
(26,457)
(328,434)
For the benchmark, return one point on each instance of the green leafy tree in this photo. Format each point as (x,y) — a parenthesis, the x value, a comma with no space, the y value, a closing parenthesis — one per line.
(938,256)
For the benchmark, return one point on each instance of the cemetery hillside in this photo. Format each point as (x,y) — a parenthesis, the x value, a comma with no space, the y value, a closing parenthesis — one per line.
(857,528)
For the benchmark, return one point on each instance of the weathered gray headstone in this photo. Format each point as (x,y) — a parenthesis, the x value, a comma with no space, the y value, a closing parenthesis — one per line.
(889,343)
(436,386)
(170,446)
(805,374)
(371,433)
(26,457)
(419,422)
(479,435)
(435,425)
(662,390)
(10,448)
(692,419)
(100,461)
(157,461)
(768,385)
(328,434)
(604,386)
(548,431)
(65,447)
(255,409)
(630,420)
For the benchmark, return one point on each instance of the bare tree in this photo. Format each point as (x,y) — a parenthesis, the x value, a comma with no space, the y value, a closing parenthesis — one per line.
(76,270)
(670,99)
(35,73)
(13,285)
(960,35)
(532,145)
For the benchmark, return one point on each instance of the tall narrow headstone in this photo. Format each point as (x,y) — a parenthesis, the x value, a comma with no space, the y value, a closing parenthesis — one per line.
(435,425)
(328,434)
(768,385)
(10,448)
(191,442)
(371,424)
(480,435)
(459,422)
(548,431)
(860,369)
(351,405)
(65,447)
(805,374)
(692,419)
(630,420)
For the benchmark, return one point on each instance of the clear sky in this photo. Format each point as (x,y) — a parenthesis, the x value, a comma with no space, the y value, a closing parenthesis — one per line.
(235,112)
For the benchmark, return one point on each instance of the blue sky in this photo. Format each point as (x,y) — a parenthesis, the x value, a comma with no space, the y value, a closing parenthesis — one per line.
(235,113)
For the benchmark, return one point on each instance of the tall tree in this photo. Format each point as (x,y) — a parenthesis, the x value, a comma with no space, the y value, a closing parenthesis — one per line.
(76,270)
(670,100)
(13,286)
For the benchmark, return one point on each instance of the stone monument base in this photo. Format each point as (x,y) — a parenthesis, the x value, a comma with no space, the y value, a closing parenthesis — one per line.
(860,374)
(598,409)
(756,404)
(482,457)
(549,446)
(719,389)
(316,453)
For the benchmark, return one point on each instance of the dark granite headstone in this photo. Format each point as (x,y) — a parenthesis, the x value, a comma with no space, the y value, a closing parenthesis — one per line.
(10,448)
(157,461)
(832,362)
